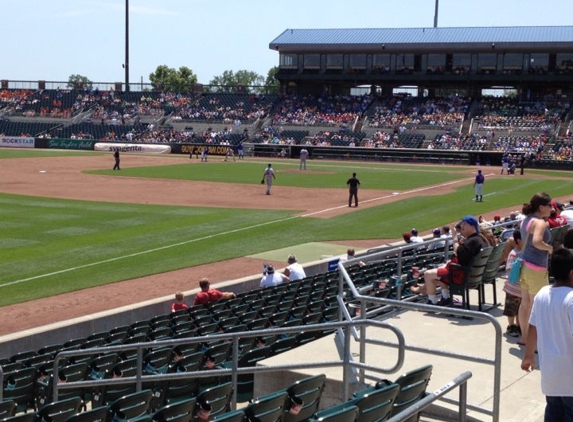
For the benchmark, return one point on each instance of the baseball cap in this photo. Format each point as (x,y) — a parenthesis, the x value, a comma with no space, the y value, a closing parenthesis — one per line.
(436,232)
(496,217)
(414,232)
(471,220)
(270,269)
(556,205)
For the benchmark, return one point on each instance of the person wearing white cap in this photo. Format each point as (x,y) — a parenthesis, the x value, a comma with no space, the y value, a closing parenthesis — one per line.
(272,278)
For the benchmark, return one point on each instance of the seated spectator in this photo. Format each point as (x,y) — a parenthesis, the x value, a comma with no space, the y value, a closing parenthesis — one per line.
(350,254)
(414,238)
(446,233)
(437,234)
(465,249)
(272,279)
(407,237)
(294,271)
(207,295)
(179,302)
(556,219)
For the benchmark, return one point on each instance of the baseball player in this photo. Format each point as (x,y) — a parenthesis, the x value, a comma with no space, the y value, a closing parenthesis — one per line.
(303,157)
(269,176)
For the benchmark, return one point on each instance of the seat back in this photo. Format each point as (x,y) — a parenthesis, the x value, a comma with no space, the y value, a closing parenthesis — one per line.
(269,408)
(182,411)
(22,417)
(234,416)
(132,405)
(19,386)
(218,397)
(98,414)
(60,410)
(472,273)
(246,382)
(7,408)
(413,386)
(377,405)
(309,391)
(491,269)
(342,414)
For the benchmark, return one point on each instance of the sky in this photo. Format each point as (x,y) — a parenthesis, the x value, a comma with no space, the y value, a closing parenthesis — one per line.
(51,40)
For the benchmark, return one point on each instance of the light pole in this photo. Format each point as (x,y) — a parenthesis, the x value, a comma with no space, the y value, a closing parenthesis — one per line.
(126,45)
(436,14)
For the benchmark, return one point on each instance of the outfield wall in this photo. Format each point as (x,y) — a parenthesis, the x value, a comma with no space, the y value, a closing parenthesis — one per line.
(403,155)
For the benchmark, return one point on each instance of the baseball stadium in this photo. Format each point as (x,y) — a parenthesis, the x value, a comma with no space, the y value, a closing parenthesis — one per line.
(92,255)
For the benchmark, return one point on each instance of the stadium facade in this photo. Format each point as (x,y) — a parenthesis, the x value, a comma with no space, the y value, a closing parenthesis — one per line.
(533,60)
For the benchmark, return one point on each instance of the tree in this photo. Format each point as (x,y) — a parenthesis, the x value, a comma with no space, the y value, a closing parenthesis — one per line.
(79,82)
(272,84)
(242,82)
(168,79)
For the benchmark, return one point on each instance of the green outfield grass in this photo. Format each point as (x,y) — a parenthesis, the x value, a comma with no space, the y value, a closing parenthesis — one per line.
(31,153)
(52,246)
(322,174)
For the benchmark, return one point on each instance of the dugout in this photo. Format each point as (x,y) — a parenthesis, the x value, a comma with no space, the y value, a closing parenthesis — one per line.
(532,59)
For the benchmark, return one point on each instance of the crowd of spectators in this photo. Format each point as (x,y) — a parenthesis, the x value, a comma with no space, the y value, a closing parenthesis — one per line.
(519,143)
(226,108)
(415,112)
(513,114)
(310,110)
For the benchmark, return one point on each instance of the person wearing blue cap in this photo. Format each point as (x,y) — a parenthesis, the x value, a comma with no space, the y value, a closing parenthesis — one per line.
(465,249)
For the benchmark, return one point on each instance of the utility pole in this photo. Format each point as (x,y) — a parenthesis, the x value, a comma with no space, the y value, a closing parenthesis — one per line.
(126,64)
(436,14)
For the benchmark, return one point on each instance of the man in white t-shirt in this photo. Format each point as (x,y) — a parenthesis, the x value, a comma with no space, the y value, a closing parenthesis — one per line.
(551,333)
(294,271)
(272,279)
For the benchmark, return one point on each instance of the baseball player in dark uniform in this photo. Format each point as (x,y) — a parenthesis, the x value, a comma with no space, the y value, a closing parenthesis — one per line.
(353,184)
(116,156)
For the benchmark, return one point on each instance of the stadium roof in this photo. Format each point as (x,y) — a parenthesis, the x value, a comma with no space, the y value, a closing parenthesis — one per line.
(367,37)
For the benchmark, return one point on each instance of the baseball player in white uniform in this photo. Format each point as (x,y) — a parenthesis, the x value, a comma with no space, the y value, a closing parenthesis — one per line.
(303,157)
(269,176)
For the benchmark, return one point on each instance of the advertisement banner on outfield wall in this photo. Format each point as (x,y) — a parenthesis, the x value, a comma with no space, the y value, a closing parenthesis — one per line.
(16,142)
(82,144)
(140,148)
(188,148)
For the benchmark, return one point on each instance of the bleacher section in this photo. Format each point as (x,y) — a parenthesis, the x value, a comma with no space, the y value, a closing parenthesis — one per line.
(25,128)
(397,122)
(227,108)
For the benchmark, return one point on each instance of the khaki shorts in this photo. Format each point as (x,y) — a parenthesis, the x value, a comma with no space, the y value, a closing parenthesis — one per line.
(533,280)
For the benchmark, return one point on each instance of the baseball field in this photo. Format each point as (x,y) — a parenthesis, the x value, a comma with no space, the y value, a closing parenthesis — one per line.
(71,224)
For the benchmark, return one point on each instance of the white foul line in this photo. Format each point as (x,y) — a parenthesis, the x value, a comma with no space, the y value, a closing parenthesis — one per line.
(105,261)
(393,195)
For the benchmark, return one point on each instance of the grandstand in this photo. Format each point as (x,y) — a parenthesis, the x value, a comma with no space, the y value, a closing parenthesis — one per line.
(431,129)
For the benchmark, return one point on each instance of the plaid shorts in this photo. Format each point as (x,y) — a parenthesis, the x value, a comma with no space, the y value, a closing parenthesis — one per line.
(511,305)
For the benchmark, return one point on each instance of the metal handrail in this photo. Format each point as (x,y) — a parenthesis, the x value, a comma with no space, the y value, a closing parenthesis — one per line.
(408,305)
(345,362)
